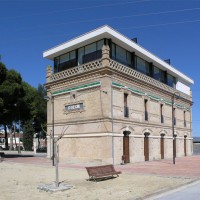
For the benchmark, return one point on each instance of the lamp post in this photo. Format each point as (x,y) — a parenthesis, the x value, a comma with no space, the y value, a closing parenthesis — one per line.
(52,102)
(113,147)
(177,96)
(19,146)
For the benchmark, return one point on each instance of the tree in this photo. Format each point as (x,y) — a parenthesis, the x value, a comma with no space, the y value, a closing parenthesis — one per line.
(20,103)
(3,71)
(10,91)
(34,100)
(40,110)
(28,135)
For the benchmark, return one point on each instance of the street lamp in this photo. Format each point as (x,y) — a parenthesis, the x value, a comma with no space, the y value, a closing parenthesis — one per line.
(177,96)
(52,102)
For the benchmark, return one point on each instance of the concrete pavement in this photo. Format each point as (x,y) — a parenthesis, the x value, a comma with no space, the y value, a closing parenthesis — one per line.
(186,192)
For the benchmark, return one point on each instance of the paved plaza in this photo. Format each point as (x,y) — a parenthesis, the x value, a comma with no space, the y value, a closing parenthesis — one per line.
(143,180)
(183,167)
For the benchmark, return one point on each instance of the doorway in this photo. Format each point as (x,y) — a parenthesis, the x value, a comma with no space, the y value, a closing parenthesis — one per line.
(146,147)
(185,147)
(162,147)
(126,146)
(174,146)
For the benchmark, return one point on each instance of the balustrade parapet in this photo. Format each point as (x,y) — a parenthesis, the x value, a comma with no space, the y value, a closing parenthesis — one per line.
(76,70)
(115,66)
(142,77)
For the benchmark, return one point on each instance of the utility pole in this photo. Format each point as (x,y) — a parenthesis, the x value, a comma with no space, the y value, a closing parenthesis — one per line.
(177,96)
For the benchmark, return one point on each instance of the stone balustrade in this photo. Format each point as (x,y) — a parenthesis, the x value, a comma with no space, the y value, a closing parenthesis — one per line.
(114,65)
(76,70)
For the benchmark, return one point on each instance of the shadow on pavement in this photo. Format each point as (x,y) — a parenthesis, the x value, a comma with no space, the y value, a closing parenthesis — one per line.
(17,155)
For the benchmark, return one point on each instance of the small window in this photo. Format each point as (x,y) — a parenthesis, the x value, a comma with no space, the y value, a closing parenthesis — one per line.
(100,44)
(72,55)
(91,52)
(158,74)
(170,80)
(56,64)
(145,110)
(80,55)
(161,113)
(129,58)
(142,66)
(174,115)
(121,54)
(90,48)
(126,110)
(64,58)
(184,113)
(113,51)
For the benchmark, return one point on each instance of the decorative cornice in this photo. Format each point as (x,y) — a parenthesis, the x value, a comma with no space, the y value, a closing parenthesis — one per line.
(77,88)
(152,96)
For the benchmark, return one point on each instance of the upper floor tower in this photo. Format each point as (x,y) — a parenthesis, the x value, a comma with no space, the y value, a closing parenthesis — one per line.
(88,47)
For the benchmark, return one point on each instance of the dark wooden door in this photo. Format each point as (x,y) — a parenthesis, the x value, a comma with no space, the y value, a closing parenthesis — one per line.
(162,151)
(185,147)
(146,148)
(175,146)
(126,148)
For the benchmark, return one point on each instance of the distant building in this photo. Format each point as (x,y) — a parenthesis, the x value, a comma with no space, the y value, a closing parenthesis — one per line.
(196,139)
(16,140)
(196,145)
(115,100)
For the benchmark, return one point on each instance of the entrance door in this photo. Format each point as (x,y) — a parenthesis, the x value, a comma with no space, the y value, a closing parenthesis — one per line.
(126,147)
(174,143)
(185,146)
(146,147)
(162,147)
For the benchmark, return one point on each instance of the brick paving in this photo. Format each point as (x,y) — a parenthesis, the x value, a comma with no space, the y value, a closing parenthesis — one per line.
(184,167)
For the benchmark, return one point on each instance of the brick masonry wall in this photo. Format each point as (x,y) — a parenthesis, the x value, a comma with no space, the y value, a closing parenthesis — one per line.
(89,131)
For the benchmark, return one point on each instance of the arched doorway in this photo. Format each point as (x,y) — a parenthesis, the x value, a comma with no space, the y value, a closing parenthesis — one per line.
(126,156)
(185,145)
(174,146)
(162,146)
(146,146)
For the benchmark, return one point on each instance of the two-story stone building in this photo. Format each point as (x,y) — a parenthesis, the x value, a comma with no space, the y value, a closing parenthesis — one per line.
(114,98)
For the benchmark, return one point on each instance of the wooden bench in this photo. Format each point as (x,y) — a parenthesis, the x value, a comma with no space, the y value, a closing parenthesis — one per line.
(2,156)
(101,172)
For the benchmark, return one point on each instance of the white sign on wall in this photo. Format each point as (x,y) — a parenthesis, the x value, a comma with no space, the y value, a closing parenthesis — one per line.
(74,107)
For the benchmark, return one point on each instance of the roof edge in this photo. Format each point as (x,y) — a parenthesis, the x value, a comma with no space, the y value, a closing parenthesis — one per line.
(119,36)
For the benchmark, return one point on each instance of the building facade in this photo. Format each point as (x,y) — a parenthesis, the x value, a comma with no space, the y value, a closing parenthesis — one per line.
(112,99)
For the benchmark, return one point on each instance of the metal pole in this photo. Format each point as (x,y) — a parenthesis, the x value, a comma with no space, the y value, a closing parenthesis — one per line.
(177,95)
(113,150)
(19,148)
(173,139)
(56,163)
(53,155)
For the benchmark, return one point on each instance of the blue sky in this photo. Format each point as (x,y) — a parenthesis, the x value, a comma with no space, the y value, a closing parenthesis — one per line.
(169,29)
